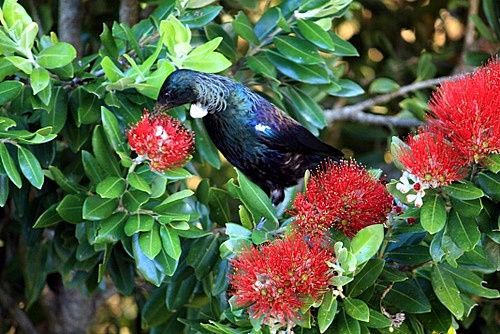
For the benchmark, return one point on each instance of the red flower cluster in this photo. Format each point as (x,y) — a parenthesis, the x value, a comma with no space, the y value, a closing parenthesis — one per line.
(275,281)
(468,109)
(432,159)
(344,196)
(162,140)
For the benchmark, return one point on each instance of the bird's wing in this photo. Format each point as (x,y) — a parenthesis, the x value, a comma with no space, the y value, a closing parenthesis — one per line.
(281,132)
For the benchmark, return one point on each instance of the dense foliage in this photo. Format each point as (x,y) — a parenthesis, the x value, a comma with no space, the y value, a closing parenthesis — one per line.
(79,203)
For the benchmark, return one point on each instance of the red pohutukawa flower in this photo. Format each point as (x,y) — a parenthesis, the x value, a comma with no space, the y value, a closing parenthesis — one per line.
(277,279)
(432,159)
(468,108)
(341,195)
(162,140)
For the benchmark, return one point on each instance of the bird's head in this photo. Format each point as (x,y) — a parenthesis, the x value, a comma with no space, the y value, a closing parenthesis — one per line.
(206,92)
(178,89)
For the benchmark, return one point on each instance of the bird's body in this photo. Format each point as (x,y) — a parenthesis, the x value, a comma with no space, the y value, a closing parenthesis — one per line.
(268,146)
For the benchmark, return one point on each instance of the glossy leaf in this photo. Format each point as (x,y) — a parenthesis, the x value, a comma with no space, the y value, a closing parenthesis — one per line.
(357,309)
(171,242)
(49,217)
(9,90)
(30,167)
(70,208)
(111,187)
(469,282)
(366,277)
(111,228)
(327,311)
(204,146)
(138,223)
(343,48)
(39,79)
(203,255)
(433,214)
(315,34)
(139,183)
(267,23)
(254,198)
(312,74)
(10,166)
(134,199)
(408,297)
(112,130)
(92,169)
(463,231)
(464,190)
(200,17)
(490,184)
(244,28)
(467,208)
(298,50)
(382,86)
(366,242)
(145,265)
(445,289)
(378,320)
(56,56)
(98,208)
(150,242)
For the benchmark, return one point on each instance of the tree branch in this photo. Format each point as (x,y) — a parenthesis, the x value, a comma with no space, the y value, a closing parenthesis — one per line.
(16,313)
(355,112)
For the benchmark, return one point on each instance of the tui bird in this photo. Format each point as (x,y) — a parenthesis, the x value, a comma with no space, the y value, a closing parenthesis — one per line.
(268,146)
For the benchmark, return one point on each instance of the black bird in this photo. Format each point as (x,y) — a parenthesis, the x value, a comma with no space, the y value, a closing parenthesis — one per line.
(268,146)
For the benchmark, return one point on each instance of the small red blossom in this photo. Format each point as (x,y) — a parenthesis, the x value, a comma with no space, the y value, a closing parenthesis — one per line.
(162,140)
(432,159)
(277,279)
(341,195)
(468,108)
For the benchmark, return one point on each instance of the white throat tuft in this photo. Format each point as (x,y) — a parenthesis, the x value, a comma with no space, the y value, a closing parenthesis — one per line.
(198,111)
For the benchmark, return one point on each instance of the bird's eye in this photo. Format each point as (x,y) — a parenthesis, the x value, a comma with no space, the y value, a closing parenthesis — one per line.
(167,95)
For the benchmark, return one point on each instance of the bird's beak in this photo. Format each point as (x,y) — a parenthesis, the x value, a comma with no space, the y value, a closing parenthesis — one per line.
(160,108)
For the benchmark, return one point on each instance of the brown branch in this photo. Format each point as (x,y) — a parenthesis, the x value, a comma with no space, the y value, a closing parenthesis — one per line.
(129,11)
(15,312)
(356,112)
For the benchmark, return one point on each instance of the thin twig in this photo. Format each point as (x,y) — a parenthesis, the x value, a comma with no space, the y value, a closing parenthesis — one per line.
(355,112)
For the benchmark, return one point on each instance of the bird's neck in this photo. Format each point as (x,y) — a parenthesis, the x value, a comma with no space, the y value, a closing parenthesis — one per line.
(212,91)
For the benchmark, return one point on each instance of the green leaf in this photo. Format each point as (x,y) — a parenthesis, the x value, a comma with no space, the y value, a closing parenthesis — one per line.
(88,111)
(113,132)
(212,63)
(433,214)
(366,242)
(21,63)
(312,74)
(30,167)
(357,309)
(259,64)
(98,208)
(382,86)
(304,105)
(56,56)
(62,180)
(139,183)
(49,217)
(492,252)
(298,50)
(469,282)
(134,199)
(267,23)
(145,266)
(39,79)
(425,69)
(111,228)
(150,242)
(347,325)
(173,199)
(9,90)
(154,310)
(203,255)
(464,190)
(445,289)
(244,28)
(200,17)
(467,208)
(492,162)
(348,89)
(490,184)
(70,209)
(10,166)
(255,199)
(315,34)
(343,48)
(218,202)
(111,70)
(138,223)
(103,154)
(327,311)
(366,277)
(408,297)
(378,320)
(463,231)
(92,169)
(171,242)
(204,145)
(111,187)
